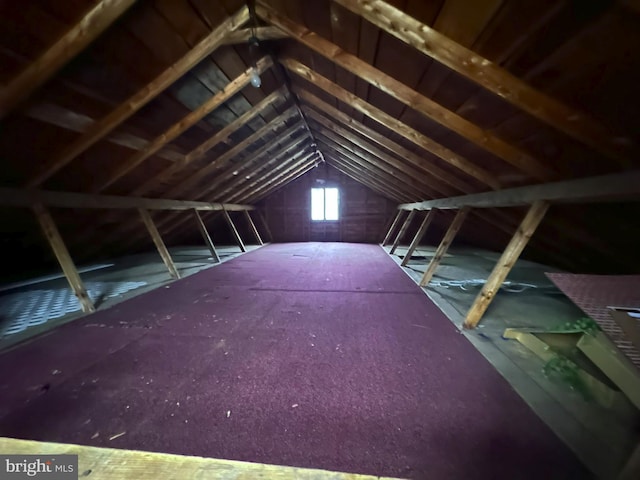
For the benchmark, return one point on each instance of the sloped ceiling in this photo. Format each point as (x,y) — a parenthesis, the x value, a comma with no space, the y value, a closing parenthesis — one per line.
(153,98)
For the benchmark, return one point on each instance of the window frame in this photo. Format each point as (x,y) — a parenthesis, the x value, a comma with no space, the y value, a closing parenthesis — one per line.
(324,202)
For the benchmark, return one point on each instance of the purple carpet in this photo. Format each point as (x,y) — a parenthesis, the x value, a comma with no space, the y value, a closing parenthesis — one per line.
(320,355)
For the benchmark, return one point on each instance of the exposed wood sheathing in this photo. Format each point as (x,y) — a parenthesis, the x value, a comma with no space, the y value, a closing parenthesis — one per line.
(414,100)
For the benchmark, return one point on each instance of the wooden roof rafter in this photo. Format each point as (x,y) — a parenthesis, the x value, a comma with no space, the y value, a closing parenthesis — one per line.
(490,76)
(126,109)
(92,24)
(509,153)
(418,138)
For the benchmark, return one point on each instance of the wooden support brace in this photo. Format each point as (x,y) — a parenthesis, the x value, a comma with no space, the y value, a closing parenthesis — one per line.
(234,230)
(62,255)
(205,236)
(508,259)
(393,226)
(253,228)
(266,225)
(403,230)
(418,237)
(452,231)
(157,239)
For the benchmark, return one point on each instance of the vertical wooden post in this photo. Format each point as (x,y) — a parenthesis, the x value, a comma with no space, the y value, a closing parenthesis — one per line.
(418,237)
(157,239)
(205,236)
(62,255)
(236,235)
(403,230)
(253,227)
(518,242)
(393,226)
(266,225)
(452,231)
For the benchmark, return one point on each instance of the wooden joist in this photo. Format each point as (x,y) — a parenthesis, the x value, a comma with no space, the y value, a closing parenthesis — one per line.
(392,228)
(487,74)
(291,177)
(217,138)
(419,162)
(441,251)
(403,231)
(263,219)
(157,240)
(462,164)
(242,36)
(205,236)
(234,230)
(511,154)
(139,99)
(59,248)
(253,228)
(506,262)
(612,187)
(349,172)
(190,119)
(17,197)
(95,21)
(418,236)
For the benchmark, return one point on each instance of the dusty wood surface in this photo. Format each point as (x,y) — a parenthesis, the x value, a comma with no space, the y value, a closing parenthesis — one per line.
(518,242)
(112,464)
(59,248)
(418,236)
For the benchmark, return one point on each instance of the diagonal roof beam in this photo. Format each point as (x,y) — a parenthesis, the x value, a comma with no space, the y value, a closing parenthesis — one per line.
(511,154)
(339,164)
(192,180)
(263,33)
(334,131)
(181,126)
(284,179)
(423,141)
(367,168)
(382,141)
(210,143)
(139,99)
(350,149)
(76,39)
(489,75)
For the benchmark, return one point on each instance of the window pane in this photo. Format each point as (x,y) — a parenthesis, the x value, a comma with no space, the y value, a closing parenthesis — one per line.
(331,204)
(317,204)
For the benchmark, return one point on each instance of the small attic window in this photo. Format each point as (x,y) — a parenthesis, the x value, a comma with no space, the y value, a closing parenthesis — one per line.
(325,204)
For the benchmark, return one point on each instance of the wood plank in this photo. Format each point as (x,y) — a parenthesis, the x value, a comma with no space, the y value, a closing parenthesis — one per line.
(59,248)
(196,177)
(441,251)
(243,35)
(388,121)
(263,218)
(291,177)
(253,228)
(190,119)
(603,188)
(211,142)
(403,231)
(157,240)
(506,262)
(17,197)
(489,75)
(234,230)
(418,236)
(95,21)
(392,228)
(509,153)
(118,464)
(339,165)
(139,99)
(462,22)
(205,236)
(383,141)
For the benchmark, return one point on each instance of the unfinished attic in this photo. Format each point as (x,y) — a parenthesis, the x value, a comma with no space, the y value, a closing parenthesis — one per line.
(328,239)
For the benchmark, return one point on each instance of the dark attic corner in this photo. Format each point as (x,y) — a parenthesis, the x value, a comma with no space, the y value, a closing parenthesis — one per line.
(339,239)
